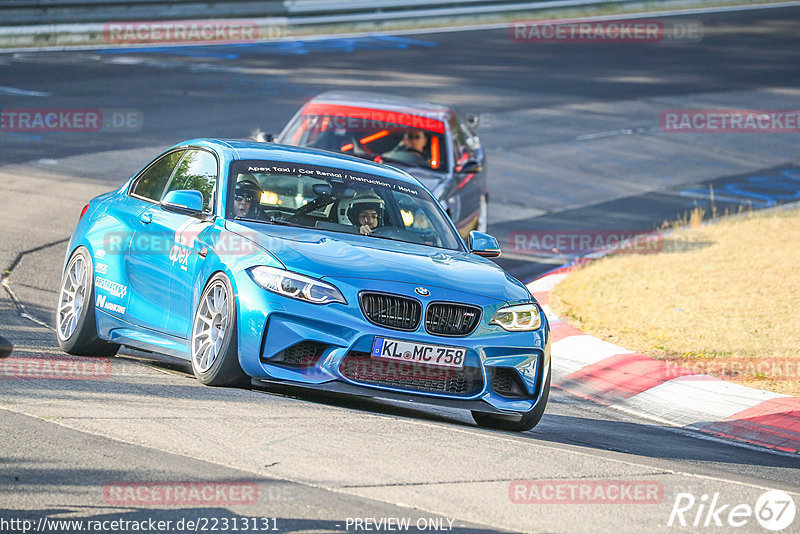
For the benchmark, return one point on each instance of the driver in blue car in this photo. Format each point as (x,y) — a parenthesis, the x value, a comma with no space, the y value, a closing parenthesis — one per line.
(246,198)
(364,211)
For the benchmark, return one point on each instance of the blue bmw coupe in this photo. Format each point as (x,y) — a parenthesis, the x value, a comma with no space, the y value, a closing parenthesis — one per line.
(263,263)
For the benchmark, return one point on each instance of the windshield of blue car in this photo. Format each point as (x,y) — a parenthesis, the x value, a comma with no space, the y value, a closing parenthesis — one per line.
(392,138)
(337,200)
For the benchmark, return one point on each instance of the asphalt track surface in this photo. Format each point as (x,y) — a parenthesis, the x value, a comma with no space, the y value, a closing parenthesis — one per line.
(574,142)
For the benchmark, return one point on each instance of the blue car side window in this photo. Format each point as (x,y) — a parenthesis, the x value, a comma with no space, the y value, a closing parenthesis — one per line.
(150,183)
(197,171)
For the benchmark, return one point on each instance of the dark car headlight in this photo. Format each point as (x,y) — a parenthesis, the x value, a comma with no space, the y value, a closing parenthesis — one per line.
(295,285)
(518,318)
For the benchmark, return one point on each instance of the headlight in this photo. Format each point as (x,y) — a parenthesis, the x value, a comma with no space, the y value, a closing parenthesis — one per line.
(519,318)
(295,285)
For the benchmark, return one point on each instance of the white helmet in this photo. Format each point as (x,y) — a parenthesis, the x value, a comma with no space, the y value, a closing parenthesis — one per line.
(349,209)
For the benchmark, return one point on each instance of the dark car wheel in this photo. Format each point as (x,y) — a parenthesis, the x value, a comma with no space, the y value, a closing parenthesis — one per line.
(76,324)
(215,354)
(528,421)
(6,348)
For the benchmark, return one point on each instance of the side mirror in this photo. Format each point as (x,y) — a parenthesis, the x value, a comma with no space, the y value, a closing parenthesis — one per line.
(6,348)
(483,245)
(471,166)
(184,201)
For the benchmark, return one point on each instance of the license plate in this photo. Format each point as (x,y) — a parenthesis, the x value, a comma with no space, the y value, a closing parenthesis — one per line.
(406,351)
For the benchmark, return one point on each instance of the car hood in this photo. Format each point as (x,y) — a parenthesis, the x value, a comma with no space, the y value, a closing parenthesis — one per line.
(430,179)
(323,254)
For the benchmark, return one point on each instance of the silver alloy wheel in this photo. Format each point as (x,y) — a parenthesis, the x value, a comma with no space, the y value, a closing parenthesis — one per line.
(74,291)
(210,325)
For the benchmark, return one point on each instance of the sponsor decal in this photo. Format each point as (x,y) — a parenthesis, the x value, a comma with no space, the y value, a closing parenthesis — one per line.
(105,304)
(180,255)
(101,268)
(116,289)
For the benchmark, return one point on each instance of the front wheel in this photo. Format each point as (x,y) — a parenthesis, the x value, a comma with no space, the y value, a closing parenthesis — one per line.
(76,324)
(528,421)
(215,354)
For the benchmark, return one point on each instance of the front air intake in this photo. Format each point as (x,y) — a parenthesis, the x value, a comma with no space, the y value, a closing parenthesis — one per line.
(391,311)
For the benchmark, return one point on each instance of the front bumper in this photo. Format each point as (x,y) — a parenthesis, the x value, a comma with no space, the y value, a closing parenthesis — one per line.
(504,372)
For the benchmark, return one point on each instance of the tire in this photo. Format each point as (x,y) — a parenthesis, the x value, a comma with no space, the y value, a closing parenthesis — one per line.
(214,345)
(76,323)
(6,347)
(528,421)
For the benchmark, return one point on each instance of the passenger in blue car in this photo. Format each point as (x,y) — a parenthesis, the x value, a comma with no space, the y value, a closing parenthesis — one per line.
(365,211)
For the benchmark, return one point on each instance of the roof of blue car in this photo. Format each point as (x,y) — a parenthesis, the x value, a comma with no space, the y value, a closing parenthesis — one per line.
(248,149)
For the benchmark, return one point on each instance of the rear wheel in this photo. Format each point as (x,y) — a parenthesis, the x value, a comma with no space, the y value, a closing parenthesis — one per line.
(528,421)
(215,354)
(76,324)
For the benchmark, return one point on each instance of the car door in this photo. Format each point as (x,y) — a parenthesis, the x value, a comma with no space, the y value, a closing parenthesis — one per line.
(167,277)
(121,222)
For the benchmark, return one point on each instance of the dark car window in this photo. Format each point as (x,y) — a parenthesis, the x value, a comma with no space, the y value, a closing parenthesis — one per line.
(150,184)
(372,134)
(333,200)
(197,171)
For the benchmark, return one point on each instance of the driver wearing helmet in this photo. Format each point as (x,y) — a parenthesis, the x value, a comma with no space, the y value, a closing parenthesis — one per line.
(364,211)
(246,197)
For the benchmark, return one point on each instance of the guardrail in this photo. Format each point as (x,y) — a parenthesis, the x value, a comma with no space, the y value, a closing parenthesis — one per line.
(37,12)
(58,23)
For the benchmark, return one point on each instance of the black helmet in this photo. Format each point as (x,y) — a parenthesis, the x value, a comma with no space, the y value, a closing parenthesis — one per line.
(249,189)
